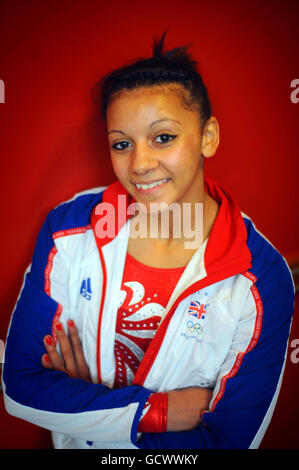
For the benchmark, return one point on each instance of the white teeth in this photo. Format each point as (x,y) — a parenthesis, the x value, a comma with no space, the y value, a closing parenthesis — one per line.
(152,185)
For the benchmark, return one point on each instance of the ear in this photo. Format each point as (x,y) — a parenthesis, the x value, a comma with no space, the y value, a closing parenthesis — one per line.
(210,138)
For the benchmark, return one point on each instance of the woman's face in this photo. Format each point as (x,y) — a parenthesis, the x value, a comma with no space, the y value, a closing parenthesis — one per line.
(156,146)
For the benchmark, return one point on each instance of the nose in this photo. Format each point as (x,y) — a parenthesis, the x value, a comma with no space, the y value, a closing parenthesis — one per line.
(143,160)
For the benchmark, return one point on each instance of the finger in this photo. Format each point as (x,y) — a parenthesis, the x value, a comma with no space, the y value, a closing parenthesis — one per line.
(54,357)
(46,362)
(66,350)
(82,367)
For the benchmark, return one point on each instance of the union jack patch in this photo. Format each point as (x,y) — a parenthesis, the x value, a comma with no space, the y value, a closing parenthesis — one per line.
(197,310)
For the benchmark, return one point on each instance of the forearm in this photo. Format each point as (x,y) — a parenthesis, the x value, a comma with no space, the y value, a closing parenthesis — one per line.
(74,407)
(177,410)
(185,408)
(51,399)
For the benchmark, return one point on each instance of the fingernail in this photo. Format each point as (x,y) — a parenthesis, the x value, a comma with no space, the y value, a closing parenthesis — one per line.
(71,323)
(58,326)
(48,340)
(46,358)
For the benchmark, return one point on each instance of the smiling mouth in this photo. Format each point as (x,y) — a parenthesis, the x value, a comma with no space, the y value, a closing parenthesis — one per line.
(155,184)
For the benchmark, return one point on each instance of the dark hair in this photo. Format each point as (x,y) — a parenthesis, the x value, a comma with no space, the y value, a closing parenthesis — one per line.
(164,67)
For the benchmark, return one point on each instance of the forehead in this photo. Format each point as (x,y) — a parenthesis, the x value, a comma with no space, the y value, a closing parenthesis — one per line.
(163,88)
(147,102)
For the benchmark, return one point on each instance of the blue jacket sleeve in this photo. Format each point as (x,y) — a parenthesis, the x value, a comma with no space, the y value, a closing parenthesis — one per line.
(249,381)
(49,398)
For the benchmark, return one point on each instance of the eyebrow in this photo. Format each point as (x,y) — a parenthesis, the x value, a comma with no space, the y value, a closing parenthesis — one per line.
(152,124)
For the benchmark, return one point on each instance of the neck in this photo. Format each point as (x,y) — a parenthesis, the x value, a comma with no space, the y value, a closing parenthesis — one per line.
(180,224)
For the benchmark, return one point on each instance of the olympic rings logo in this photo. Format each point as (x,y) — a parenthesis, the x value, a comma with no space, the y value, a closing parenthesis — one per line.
(194,327)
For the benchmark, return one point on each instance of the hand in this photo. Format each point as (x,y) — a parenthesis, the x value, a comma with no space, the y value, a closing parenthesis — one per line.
(185,407)
(71,360)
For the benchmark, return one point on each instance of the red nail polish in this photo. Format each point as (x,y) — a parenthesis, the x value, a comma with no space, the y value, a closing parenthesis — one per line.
(71,323)
(46,358)
(48,340)
(58,326)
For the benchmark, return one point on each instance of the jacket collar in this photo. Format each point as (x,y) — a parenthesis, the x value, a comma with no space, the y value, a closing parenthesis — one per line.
(226,250)
(227,243)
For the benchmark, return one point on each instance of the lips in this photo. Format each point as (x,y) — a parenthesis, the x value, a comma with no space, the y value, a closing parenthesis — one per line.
(151,186)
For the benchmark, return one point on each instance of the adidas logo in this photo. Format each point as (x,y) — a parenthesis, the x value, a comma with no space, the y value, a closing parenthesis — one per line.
(85,290)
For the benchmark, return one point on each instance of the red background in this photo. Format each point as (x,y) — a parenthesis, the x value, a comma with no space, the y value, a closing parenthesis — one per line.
(53,141)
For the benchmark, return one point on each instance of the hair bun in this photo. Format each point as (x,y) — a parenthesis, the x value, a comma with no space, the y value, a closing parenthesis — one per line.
(173,66)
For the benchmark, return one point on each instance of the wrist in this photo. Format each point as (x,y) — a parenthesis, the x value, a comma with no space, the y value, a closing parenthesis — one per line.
(155,417)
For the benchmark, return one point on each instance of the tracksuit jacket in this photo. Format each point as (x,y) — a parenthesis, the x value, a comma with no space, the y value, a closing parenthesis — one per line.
(239,351)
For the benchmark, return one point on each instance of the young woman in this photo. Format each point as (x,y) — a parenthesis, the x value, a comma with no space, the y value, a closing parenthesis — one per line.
(125,341)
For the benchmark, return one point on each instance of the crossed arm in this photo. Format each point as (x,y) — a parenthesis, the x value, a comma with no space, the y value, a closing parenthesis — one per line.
(244,396)
(236,422)
(184,406)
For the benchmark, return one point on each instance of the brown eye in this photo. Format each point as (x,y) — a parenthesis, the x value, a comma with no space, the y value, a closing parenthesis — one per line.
(165,138)
(121,145)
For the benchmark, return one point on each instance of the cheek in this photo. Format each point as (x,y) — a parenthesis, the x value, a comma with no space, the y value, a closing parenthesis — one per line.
(193,144)
(192,153)
(119,167)
(184,160)
(175,158)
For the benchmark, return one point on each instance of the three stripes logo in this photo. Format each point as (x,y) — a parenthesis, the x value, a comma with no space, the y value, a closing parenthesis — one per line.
(85,290)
